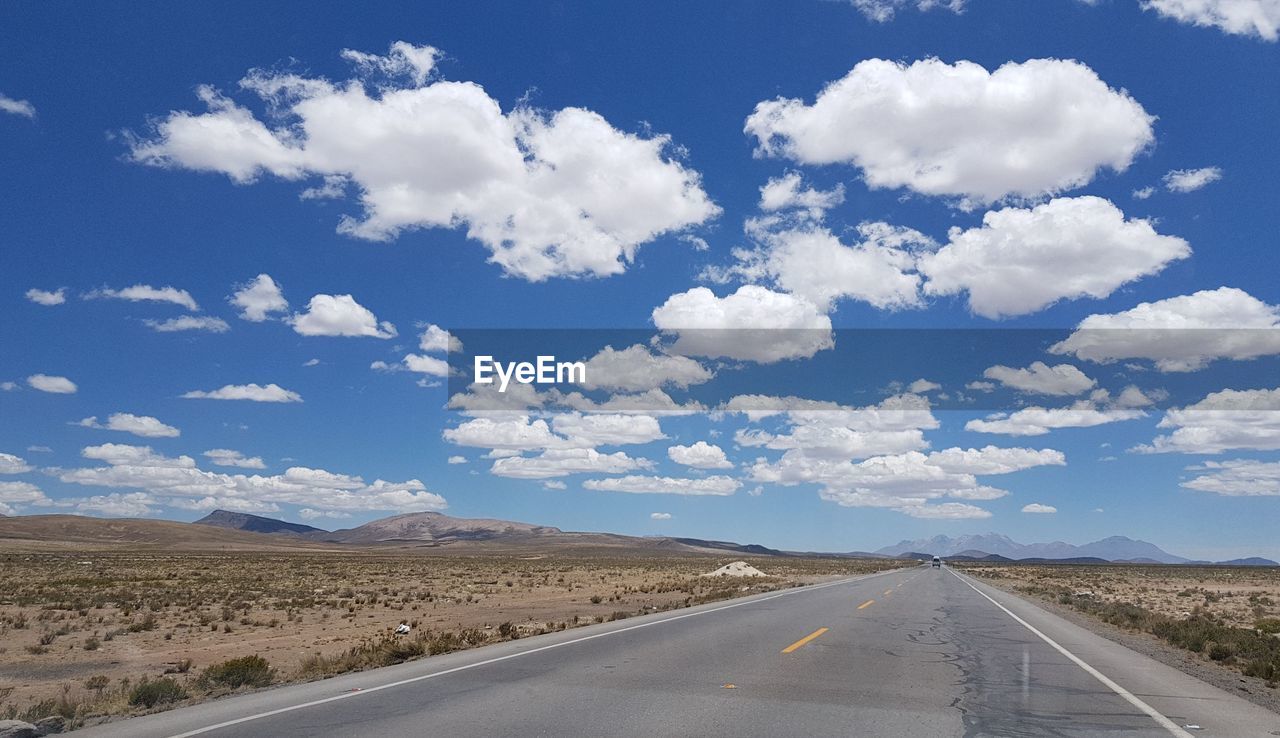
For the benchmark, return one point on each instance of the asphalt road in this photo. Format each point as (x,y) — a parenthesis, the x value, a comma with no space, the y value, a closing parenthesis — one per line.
(918,652)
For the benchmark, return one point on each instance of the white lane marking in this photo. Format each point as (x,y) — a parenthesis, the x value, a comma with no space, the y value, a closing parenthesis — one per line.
(1154,714)
(486,662)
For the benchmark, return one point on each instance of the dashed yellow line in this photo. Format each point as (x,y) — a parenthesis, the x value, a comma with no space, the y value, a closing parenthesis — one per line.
(865,604)
(804,640)
(887,592)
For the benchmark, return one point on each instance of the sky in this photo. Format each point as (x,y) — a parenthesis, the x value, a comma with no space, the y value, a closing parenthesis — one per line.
(841,272)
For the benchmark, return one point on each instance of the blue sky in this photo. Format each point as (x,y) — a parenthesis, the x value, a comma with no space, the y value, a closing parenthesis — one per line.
(802,167)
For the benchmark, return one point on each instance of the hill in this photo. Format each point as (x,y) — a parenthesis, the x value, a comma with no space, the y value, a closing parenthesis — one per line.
(61,532)
(434,527)
(1115,548)
(255,523)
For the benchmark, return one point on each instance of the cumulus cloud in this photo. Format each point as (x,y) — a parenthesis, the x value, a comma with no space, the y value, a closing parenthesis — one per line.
(1022,260)
(116,505)
(829,431)
(1259,18)
(1222,421)
(560,193)
(417,363)
(701,455)
(803,257)
(457,459)
(189,323)
(1190,180)
(571,431)
(1039,509)
(884,10)
(231,457)
(1026,130)
(922,386)
(566,461)
(252,392)
(307,513)
(16,107)
(1236,478)
(177,482)
(1042,379)
(146,293)
(1037,421)
(1180,334)
(789,191)
(139,425)
(52,384)
(10,464)
(637,369)
(752,324)
(44,297)
(638,484)
(945,511)
(21,493)
(659,516)
(340,315)
(259,299)
(435,339)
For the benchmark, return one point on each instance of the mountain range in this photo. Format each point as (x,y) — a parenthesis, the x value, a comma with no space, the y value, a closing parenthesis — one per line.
(426,531)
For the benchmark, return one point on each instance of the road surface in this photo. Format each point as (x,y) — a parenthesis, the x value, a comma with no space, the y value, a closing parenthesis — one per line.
(914,652)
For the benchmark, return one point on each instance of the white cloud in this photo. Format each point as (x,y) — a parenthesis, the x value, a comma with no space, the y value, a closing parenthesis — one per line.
(44,297)
(307,513)
(566,461)
(259,298)
(554,484)
(139,425)
(340,315)
(884,10)
(147,293)
(231,457)
(803,257)
(559,193)
(1143,193)
(128,505)
(701,455)
(571,431)
(1039,509)
(428,365)
(637,369)
(253,392)
(1180,334)
(52,384)
(1027,129)
(1037,421)
(1190,180)
(659,516)
(1260,18)
(10,464)
(1222,421)
(8,386)
(945,511)
(788,191)
(922,386)
(189,323)
(1040,378)
(178,482)
(1022,260)
(1237,478)
(832,432)
(994,460)
(752,324)
(457,459)
(16,107)
(21,493)
(637,484)
(607,430)
(436,339)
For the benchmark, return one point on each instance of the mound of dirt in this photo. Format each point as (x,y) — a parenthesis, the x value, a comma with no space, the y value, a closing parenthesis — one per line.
(736,569)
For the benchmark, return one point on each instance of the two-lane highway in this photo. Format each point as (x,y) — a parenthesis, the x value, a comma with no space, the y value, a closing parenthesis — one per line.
(915,652)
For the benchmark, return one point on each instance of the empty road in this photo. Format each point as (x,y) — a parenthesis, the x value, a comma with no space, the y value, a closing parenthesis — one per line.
(915,652)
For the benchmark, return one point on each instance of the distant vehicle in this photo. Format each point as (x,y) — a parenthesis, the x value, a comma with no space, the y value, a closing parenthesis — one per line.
(937,562)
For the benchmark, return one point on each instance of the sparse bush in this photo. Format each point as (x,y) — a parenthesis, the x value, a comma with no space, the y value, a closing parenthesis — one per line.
(246,671)
(161,691)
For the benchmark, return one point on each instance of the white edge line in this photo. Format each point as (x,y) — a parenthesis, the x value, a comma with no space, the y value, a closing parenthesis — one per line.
(1153,713)
(486,662)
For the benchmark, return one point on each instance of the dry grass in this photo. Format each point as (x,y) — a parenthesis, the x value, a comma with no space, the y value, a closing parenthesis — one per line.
(97,634)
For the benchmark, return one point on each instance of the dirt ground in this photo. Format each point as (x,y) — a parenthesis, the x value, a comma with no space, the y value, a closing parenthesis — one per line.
(118,618)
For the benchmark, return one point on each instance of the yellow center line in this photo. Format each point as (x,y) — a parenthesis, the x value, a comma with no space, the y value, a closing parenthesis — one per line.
(887,592)
(804,640)
(865,604)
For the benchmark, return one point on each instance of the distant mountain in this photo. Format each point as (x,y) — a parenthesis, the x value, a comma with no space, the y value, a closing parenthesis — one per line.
(434,527)
(1115,548)
(255,523)
(82,533)
(1251,561)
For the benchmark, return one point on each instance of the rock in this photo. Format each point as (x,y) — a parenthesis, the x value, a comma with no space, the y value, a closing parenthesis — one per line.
(736,569)
(18,729)
(51,724)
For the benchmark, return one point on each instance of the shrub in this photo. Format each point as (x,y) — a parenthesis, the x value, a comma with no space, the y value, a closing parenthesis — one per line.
(159,692)
(246,671)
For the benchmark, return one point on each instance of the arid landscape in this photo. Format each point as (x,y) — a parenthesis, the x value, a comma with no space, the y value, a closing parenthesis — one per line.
(111,620)
(1227,617)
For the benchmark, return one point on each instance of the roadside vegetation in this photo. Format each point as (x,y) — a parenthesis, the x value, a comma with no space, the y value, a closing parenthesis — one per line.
(95,635)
